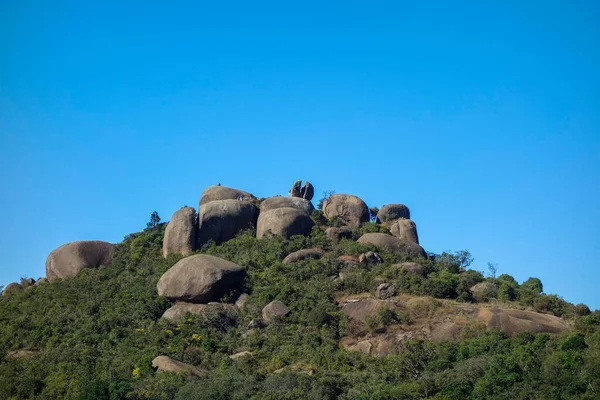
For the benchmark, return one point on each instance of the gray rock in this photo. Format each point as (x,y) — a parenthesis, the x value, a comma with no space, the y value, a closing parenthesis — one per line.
(213,193)
(343,232)
(241,301)
(484,291)
(273,310)
(200,279)
(285,222)
(303,255)
(296,189)
(257,323)
(167,364)
(405,229)
(370,258)
(392,212)
(272,203)
(241,355)
(12,287)
(180,234)
(180,309)
(412,268)
(42,281)
(391,243)
(69,259)
(308,191)
(385,291)
(222,220)
(350,209)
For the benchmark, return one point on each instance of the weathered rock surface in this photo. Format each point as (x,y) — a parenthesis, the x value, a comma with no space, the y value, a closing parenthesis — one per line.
(42,281)
(200,279)
(213,193)
(285,222)
(273,310)
(361,309)
(405,229)
(303,255)
(180,309)
(484,291)
(308,191)
(349,260)
(241,300)
(23,353)
(180,234)
(69,259)
(241,355)
(343,232)
(222,220)
(392,212)
(350,209)
(389,242)
(370,257)
(257,323)
(296,189)
(272,203)
(12,287)
(167,364)
(385,291)
(412,268)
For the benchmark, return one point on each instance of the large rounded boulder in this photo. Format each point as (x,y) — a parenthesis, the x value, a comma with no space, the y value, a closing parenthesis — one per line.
(200,279)
(392,212)
(12,287)
(213,193)
(299,203)
(405,229)
(391,243)
(69,259)
(303,254)
(222,220)
(180,234)
(285,222)
(350,209)
(180,309)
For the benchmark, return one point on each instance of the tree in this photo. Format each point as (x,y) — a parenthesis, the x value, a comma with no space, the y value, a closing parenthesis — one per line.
(493,268)
(326,194)
(532,285)
(154,220)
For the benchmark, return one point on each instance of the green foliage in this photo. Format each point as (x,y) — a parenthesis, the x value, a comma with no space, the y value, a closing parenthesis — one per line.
(98,332)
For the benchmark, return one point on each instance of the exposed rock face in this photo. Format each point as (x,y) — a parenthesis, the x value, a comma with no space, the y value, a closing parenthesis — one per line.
(240,355)
(350,209)
(392,212)
(388,242)
(303,255)
(167,364)
(405,229)
(296,189)
(484,291)
(370,258)
(42,281)
(213,193)
(349,260)
(241,301)
(308,191)
(222,220)
(385,291)
(12,288)
(23,353)
(274,309)
(412,268)
(69,259)
(200,279)
(343,232)
(180,309)
(180,234)
(272,203)
(361,309)
(285,222)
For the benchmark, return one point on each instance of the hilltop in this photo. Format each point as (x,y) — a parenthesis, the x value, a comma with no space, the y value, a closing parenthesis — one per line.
(250,298)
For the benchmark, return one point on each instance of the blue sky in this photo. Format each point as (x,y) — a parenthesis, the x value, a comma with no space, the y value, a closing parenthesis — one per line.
(482,118)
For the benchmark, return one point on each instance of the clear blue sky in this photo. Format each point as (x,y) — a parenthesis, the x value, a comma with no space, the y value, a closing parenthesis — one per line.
(482,117)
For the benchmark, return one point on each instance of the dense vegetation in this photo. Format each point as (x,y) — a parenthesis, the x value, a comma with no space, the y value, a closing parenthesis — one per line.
(97,333)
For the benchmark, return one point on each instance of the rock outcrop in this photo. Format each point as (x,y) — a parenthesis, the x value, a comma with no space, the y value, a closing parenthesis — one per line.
(412,268)
(180,309)
(12,287)
(296,188)
(392,212)
(69,259)
(42,281)
(306,192)
(303,255)
(385,291)
(213,193)
(391,243)
(343,232)
(350,209)
(273,310)
(370,257)
(285,222)
(272,203)
(222,220)
(405,229)
(200,279)
(180,234)
(484,291)
(167,364)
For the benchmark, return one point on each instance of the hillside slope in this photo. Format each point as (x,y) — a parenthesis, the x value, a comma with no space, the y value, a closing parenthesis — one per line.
(94,336)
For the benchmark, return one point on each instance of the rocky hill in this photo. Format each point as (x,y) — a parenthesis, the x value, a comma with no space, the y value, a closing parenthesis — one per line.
(272,298)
